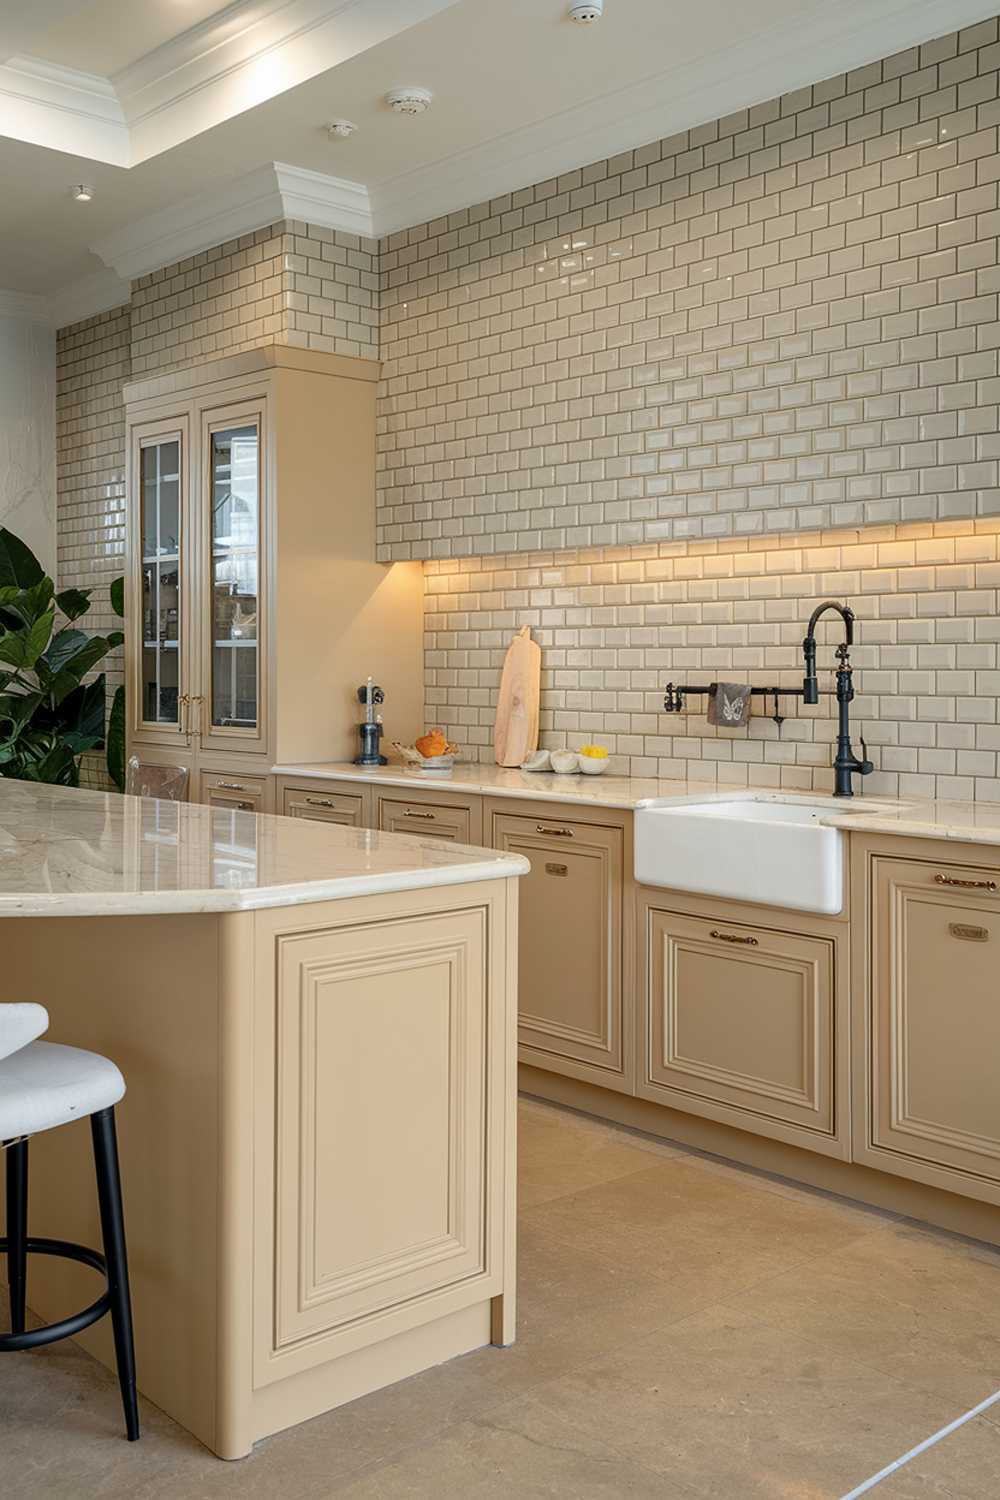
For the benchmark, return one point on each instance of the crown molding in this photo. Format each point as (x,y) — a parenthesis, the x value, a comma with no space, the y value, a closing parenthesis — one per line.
(330,202)
(266,196)
(98,293)
(71,304)
(251,52)
(248,53)
(62,109)
(775,62)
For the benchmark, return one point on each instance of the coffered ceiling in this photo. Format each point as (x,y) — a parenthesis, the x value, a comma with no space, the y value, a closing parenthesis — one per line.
(176,111)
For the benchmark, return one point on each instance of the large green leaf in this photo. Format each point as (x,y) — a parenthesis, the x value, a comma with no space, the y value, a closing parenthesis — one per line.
(82,717)
(118,596)
(69,658)
(18,564)
(116,739)
(73,602)
(15,710)
(63,647)
(22,648)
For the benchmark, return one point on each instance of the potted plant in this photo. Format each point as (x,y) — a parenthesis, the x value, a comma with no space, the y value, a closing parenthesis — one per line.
(49,716)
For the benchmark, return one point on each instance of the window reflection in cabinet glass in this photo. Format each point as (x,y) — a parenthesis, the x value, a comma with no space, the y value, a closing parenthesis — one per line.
(235,500)
(161,585)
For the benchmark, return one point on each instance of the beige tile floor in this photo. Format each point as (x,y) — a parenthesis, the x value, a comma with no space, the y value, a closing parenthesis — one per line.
(687,1330)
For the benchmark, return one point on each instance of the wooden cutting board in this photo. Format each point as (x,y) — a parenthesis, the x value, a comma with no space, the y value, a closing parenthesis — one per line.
(515,734)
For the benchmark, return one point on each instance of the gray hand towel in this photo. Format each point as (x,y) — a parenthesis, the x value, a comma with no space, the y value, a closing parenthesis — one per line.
(729,705)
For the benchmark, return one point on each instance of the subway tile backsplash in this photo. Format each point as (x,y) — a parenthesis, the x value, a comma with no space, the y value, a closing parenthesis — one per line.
(779,321)
(616,624)
(657,408)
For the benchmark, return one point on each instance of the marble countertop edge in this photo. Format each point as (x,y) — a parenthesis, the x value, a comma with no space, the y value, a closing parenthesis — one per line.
(907,817)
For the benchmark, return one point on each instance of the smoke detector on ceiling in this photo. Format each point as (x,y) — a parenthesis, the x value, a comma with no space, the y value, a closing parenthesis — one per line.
(409,101)
(586,11)
(341,129)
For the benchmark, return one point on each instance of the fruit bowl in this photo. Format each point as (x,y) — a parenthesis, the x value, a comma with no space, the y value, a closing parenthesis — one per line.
(426,764)
(591,764)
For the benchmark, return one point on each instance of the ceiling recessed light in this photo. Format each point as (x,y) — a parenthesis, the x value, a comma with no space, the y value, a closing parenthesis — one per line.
(586,11)
(81,192)
(409,101)
(341,129)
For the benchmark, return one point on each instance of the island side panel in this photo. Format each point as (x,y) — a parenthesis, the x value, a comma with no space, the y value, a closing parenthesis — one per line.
(384,1100)
(143,991)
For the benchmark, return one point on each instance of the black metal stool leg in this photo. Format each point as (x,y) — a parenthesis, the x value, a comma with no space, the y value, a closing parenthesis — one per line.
(17,1231)
(109,1195)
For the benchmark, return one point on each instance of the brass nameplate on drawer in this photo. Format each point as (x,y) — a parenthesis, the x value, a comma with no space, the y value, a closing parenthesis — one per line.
(971,934)
(551,869)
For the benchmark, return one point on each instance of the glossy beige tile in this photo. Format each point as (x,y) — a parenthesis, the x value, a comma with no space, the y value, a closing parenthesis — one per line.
(740,1408)
(964,1466)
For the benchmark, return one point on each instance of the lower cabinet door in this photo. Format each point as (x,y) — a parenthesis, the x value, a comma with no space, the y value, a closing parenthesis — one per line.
(383,1068)
(570,944)
(322,803)
(740,1026)
(934,1024)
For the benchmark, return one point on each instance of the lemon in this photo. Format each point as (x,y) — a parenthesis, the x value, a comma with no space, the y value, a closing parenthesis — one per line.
(595,752)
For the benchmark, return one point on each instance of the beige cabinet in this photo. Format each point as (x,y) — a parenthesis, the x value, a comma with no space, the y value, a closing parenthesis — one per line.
(324,801)
(254,606)
(431,814)
(405,1000)
(571,980)
(741,1023)
(929,1021)
(237,790)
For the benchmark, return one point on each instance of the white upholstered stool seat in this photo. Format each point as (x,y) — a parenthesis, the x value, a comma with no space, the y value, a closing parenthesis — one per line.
(19,1025)
(44,1085)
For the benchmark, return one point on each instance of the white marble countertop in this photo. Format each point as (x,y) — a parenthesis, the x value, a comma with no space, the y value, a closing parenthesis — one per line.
(83,853)
(967,822)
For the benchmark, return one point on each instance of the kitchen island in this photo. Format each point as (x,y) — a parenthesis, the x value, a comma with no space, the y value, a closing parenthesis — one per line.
(317,1029)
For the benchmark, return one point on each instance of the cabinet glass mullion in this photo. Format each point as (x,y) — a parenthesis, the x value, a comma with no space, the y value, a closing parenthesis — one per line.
(234,558)
(160,543)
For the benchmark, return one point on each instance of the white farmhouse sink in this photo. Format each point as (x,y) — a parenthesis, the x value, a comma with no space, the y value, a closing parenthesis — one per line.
(774,852)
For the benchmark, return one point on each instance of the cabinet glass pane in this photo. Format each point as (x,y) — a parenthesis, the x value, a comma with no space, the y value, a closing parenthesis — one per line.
(235,502)
(159,469)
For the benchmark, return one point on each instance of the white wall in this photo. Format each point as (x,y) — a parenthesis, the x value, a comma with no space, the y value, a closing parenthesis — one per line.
(28,435)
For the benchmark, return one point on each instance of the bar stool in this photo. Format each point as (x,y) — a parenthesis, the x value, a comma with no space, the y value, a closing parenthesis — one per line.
(43,1085)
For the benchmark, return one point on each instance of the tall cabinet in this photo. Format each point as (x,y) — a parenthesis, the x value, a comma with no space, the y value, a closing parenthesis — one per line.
(254,606)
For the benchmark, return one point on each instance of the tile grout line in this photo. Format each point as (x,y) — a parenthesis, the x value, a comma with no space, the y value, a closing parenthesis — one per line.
(936,1437)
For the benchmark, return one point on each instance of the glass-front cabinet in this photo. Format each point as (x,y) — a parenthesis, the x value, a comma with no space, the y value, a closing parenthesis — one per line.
(194,597)
(231,708)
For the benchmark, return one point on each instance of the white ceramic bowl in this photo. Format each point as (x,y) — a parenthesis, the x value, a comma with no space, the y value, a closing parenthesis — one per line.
(594,765)
(565,761)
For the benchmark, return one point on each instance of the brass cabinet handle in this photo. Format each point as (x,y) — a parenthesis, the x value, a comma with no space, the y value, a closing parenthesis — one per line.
(245,806)
(966,885)
(320,802)
(231,786)
(558,833)
(409,813)
(731,937)
(970,934)
(553,869)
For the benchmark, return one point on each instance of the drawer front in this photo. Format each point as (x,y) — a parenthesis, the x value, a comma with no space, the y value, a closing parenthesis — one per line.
(570,943)
(934,1019)
(323,805)
(429,818)
(740,1025)
(237,790)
